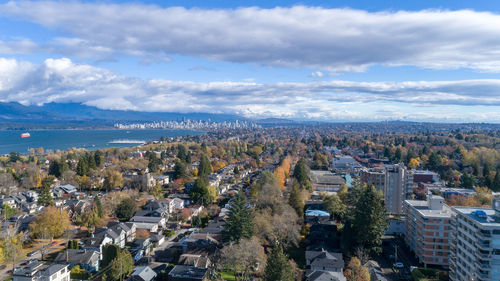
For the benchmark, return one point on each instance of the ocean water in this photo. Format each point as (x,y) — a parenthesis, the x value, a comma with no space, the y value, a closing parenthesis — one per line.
(11,141)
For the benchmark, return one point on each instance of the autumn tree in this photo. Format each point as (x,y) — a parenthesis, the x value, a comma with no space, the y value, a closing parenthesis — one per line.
(356,271)
(112,178)
(11,246)
(243,257)
(52,222)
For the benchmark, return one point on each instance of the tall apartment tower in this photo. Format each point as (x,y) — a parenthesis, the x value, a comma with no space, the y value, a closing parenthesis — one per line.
(395,188)
(428,230)
(475,244)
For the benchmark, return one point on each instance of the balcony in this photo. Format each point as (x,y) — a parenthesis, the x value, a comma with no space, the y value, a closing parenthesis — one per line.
(483,235)
(484,246)
(483,265)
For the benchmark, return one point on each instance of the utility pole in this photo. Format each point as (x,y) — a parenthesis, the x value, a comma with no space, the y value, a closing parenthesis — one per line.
(396,253)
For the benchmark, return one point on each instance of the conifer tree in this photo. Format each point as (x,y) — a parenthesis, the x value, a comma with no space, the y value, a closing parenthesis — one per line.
(278,267)
(239,223)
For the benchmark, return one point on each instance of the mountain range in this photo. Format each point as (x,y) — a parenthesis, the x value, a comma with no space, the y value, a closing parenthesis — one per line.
(64,115)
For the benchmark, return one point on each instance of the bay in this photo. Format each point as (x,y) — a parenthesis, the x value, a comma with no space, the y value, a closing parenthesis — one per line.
(11,141)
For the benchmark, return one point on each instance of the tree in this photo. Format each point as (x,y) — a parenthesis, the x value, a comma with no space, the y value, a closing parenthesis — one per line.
(296,200)
(157,191)
(467,180)
(8,211)
(45,197)
(334,206)
(414,163)
(179,170)
(112,179)
(99,207)
(434,162)
(301,173)
(126,209)
(51,223)
(356,272)
(199,192)
(11,247)
(239,223)
(278,267)
(109,253)
(122,265)
(182,152)
(82,168)
(98,158)
(89,219)
(366,221)
(205,166)
(495,186)
(243,257)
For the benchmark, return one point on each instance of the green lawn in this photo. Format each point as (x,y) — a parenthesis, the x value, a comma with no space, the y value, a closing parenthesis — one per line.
(227,276)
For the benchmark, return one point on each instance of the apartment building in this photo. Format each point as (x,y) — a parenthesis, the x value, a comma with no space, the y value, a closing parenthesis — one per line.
(428,230)
(475,244)
(374,176)
(395,188)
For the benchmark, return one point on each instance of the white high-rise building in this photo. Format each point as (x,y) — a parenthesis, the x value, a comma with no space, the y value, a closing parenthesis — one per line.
(395,188)
(475,244)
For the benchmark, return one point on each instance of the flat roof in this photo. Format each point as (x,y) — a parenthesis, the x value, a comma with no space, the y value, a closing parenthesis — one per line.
(484,216)
(423,208)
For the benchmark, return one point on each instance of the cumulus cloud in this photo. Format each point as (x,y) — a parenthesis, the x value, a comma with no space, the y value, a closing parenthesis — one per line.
(61,80)
(334,40)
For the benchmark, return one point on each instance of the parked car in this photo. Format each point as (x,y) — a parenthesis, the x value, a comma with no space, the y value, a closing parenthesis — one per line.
(30,254)
(398,265)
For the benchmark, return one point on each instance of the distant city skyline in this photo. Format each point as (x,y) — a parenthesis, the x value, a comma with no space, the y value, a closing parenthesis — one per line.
(435,61)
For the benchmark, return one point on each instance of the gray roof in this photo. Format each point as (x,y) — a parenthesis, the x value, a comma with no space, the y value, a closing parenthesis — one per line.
(325,276)
(185,271)
(77,256)
(143,273)
(325,259)
(146,219)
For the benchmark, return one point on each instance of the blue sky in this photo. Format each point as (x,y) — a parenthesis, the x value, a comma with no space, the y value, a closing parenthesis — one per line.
(315,60)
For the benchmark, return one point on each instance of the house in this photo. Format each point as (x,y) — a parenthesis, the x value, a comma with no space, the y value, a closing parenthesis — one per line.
(153,224)
(142,244)
(95,243)
(142,273)
(129,228)
(86,259)
(64,190)
(163,180)
(318,275)
(188,273)
(9,201)
(157,239)
(117,235)
(195,260)
(324,261)
(37,271)
(157,208)
(182,196)
(178,203)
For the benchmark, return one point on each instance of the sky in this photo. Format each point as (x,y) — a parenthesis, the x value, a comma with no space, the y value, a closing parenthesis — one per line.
(335,60)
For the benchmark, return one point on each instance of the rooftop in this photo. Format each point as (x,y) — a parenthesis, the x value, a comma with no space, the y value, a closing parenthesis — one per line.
(422,206)
(484,216)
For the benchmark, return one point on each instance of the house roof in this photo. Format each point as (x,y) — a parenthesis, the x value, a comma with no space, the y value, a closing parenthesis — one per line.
(318,275)
(75,256)
(324,258)
(186,271)
(194,260)
(143,273)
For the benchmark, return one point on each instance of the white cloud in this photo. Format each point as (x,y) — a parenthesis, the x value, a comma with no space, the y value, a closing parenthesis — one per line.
(61,80)
(334,40)
(317,74)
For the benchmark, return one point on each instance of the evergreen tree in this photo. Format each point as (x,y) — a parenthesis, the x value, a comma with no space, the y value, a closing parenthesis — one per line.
(366,221)
(121,266)
(296,200)
(434,162)
(109,253)
(239,223)
(82,168)
(179,170)
(495,186)
(301,173)
(182,152)
(199,192)
(45,197)
(205,167)
(467,180)
(54,169)
(91,161)
(98,204)
(278,267)
(98,158)
(126,209)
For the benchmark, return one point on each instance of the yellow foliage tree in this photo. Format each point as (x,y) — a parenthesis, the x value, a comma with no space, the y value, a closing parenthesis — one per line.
(51,223)
(356,272)
(414,163)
